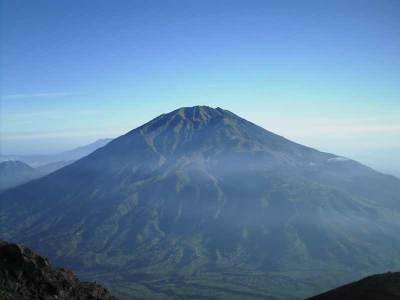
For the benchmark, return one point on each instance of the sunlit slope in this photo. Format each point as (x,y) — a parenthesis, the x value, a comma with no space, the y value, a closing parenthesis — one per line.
(200,202)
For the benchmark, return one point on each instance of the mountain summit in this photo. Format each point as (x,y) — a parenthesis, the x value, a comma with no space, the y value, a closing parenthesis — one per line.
(202,203)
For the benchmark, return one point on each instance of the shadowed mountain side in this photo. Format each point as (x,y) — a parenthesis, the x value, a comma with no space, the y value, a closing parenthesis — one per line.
(213,205)
(376,287)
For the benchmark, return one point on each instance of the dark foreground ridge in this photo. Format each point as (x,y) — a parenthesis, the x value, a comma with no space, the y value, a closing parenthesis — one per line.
(26,275)
(377,287)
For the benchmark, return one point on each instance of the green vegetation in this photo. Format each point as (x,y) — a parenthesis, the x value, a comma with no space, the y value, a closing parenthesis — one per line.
(201,203)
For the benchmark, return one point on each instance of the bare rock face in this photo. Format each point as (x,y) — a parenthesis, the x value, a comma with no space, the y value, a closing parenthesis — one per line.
(26,275)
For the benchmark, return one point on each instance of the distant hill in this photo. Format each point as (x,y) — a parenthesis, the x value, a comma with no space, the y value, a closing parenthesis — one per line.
(13,173)
(201,203)
(62,157)
(52,167)
(80,152)
(377,287)
(25,275)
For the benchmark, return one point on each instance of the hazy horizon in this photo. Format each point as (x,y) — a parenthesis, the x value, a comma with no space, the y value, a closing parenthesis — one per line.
(321,74)
(380,159)
(133,153)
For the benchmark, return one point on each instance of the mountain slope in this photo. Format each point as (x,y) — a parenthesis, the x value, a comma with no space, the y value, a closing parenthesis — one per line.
(200,202)
(26,275)
(80,152)
(377,287)
(66,157)
(16,170)
(13,173)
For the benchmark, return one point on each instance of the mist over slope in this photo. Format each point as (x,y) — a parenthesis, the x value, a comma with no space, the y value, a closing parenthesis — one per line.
(200,202)
(58,158)
(19,169)
(13,173)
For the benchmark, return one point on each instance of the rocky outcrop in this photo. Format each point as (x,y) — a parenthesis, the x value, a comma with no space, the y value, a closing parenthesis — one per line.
(26,275)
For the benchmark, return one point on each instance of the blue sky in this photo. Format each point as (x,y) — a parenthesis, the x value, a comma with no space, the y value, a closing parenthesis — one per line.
(323,73)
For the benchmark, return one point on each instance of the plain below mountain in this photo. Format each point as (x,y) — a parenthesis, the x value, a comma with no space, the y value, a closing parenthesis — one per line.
(200,203)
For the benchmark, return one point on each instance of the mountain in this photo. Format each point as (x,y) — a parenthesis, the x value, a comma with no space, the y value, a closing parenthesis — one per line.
(24,275)
(13,173)
(377,287)
(65,157)
(202,203)
(80,152)
(51,167)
